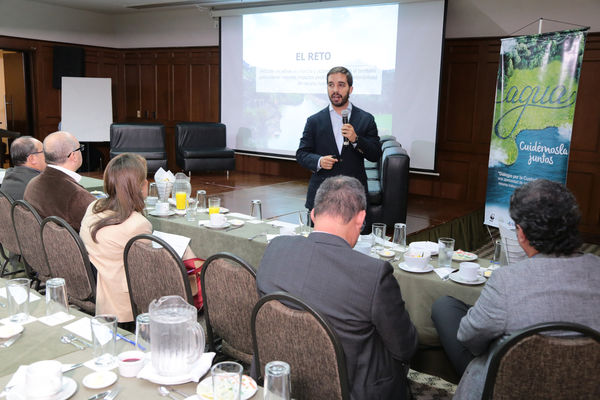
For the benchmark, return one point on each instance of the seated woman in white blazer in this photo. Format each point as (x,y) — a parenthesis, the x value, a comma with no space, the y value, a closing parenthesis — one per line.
(108,225)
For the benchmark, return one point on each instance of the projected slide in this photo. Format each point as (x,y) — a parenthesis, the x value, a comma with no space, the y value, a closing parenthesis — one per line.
(274,68)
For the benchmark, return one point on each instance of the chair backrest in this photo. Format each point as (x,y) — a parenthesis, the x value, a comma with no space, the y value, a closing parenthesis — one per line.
(229,293)
(139,136)
(200,134)
(301,337)
(153,272)
(532,365)
(510,244)
(67,258)
(27,223)
(8,237)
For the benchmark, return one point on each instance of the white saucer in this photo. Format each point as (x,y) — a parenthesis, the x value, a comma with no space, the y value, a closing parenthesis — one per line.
(99,379)
(9,330)
(386,254)
(156,214)
(205,390)
(406,268)
(456,278)
(69,387)
(179,212)
(211,226)
(236,222)
(431,247)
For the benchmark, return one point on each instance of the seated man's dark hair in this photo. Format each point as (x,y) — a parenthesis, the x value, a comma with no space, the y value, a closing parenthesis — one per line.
(548,214)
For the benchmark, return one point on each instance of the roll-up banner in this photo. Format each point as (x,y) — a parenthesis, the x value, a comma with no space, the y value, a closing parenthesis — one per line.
(536,91)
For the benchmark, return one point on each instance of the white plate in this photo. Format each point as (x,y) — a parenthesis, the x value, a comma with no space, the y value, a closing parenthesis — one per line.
(386,254)
(69,387)
(9,330)
(406,268)
(211,226)
(179,212)
(431,247)
(167,214)
(236,222)
(460,255)
(456,278)
(99,379)
(205,391)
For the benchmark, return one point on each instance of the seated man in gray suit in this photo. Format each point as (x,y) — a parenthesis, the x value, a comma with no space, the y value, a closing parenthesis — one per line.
(555,283)
(56,191)
(358,294)
(27,155)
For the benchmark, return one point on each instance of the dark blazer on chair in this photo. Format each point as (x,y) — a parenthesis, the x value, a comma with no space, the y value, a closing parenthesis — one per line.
(55,193)
(318,140)
(359,296)
(16,179)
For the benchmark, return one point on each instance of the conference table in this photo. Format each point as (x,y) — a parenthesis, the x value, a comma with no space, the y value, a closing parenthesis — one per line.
(42,342)
(418,290)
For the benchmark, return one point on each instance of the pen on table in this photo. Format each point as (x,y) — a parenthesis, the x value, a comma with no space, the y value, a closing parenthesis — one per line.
(129,341)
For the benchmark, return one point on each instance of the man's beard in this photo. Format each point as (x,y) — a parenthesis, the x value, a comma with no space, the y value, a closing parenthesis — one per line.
(342,102)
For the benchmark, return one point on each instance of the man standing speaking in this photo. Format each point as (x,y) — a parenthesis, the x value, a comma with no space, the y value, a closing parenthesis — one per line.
(337,139)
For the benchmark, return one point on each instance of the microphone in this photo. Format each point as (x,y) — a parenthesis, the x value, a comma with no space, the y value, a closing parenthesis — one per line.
(345,114)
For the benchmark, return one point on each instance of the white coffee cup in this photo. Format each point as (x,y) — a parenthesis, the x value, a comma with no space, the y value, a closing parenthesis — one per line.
(130,363)
(469,271)
(161,208)
(217,219)
(43,378)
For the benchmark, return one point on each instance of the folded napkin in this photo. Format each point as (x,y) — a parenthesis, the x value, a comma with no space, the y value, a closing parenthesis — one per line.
(163,176)
(56,319)
(255,221)
(32,296)
(443,271)
(82,327)
(283,224)
(239,215)
(198,370)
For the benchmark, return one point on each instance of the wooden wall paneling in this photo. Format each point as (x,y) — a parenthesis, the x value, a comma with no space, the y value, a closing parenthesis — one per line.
(200,93)
(48,98)
(131,80)
(180,90)
(163,85)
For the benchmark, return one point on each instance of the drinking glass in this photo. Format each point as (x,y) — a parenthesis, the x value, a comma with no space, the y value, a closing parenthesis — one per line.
(399,237)
(227,380)
(191,210)
(56,296)
(201,199)
(378,232)
(17,293)
(180,200)
(214,205)
(142,332)
(277,381)
(256,209)
(445,251)
(304,217)
(104,335)
(152,197)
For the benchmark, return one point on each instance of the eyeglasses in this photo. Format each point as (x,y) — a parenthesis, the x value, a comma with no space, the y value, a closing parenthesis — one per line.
(36,152)
(80,148)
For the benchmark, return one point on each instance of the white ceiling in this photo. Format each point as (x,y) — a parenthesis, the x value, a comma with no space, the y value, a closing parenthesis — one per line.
(465,18)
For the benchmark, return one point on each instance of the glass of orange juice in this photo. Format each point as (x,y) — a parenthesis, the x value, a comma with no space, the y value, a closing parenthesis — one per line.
(181,200)
(214,205)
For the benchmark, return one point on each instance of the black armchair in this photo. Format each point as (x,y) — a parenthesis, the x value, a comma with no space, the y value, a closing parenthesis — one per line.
(388,194)
(147,140)
(202,146)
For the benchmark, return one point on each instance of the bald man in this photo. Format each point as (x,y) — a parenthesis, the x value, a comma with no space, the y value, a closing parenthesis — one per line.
(27,155)
(56,191)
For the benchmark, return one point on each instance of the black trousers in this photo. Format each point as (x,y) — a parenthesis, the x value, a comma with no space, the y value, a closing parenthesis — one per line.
(446,314)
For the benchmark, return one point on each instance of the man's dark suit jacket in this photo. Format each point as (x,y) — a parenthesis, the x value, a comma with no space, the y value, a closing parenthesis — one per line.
(16,179)
(318,140)
(361,299)
(55,193)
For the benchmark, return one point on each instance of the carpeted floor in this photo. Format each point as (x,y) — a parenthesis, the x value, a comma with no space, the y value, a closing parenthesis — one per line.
(429,387)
